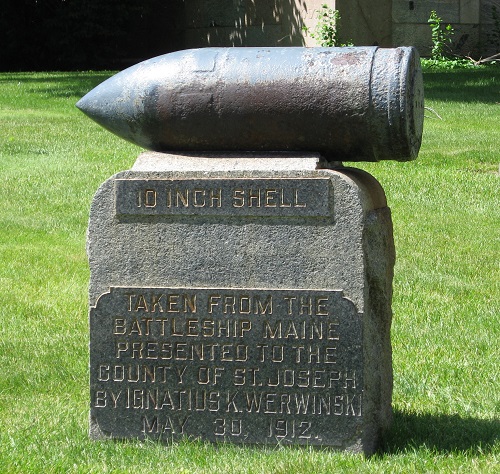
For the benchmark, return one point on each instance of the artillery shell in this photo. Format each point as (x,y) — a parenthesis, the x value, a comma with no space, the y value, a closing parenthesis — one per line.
(350,104)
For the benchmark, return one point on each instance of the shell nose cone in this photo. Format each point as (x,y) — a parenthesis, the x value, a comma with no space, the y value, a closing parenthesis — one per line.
(113,104)
(101,101)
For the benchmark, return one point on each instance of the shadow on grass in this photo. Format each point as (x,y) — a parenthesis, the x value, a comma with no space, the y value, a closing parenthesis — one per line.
(464,85)
(58,84)
(441,433)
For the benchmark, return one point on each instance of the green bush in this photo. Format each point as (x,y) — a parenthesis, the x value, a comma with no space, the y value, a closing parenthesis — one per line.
(326,31)
(441,37)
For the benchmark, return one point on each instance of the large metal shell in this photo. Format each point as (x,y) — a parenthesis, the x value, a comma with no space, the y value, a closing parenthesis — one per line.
(356,104)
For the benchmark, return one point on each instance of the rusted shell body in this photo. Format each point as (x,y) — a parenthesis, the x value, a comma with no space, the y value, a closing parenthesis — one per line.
(350,104)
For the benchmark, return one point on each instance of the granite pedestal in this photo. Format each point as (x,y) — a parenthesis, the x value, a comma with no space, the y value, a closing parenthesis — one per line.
(241,298)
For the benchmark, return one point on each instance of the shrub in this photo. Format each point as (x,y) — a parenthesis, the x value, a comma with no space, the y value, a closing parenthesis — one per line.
(326,31)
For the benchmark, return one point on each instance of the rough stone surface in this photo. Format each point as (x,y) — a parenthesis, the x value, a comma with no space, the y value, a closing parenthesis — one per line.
(152,161)
(449,11)
(227,316)
(365,22)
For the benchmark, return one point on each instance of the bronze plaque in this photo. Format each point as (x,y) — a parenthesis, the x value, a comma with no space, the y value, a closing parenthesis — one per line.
(224,197)
(262,366)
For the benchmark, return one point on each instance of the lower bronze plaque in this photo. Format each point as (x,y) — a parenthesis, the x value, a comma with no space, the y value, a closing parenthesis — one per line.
(240,365)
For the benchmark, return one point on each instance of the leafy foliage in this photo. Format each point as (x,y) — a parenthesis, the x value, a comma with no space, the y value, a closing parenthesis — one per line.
(326,31)
(447,64)
(441,37)
(442,55)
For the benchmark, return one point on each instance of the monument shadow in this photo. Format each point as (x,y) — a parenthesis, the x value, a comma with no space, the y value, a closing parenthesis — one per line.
(441,433)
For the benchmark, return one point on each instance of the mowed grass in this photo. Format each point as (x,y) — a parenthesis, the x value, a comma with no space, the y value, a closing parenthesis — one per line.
(446,327)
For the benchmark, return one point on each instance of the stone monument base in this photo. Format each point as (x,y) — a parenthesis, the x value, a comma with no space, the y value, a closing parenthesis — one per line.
(241,298)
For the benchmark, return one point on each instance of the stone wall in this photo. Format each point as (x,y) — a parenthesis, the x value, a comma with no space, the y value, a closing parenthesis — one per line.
(281,22)
(489,21)
(364,22)
(246,22)
(472,21)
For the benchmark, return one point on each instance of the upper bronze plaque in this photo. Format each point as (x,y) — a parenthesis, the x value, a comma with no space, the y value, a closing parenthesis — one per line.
(224,197)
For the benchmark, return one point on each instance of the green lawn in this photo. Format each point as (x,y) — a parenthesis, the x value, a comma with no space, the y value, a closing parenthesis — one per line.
(446,328)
